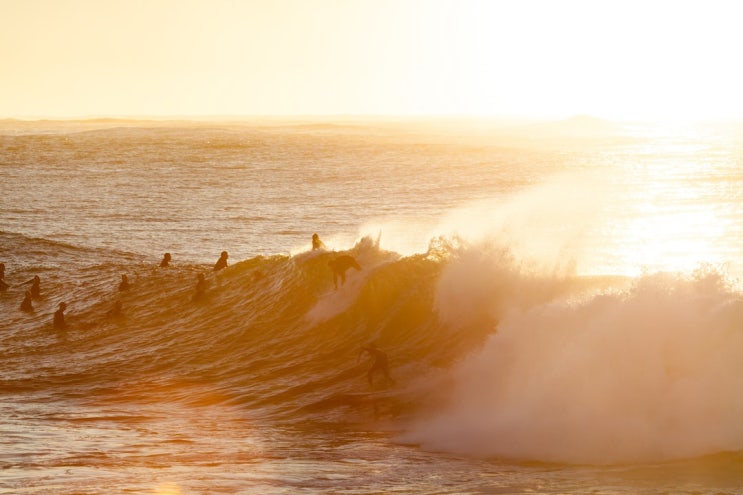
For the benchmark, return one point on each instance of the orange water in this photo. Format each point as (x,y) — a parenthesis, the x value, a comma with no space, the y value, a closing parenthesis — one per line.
(561,313)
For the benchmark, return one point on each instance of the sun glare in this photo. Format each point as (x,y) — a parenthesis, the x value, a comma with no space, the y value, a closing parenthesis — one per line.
(663,242)
(673,222)
(627,60)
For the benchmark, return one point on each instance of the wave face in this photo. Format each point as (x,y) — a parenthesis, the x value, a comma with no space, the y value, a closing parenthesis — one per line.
(489,358)
(270,333)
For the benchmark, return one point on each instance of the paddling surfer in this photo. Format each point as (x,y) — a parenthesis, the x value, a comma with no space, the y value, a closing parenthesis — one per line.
(59,323)
(221,262)
(317,243)
(26,304)
(35,287)
(3,284)
(200,287)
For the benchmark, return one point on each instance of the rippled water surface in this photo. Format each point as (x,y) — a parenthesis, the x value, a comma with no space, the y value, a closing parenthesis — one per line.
(562,313)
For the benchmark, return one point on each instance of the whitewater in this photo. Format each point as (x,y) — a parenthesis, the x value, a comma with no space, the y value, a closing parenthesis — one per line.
(560,304)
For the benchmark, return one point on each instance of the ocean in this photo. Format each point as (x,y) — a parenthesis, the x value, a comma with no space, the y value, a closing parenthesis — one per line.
(560,305)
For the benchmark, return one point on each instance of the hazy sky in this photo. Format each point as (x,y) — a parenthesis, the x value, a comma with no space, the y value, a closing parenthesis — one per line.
(550,58)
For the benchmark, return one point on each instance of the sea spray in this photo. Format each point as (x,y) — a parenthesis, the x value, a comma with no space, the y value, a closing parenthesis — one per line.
(649,374)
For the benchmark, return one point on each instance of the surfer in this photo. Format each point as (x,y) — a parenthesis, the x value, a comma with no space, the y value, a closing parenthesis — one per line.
(221,262)
(166,260)
(200,286)
(35,287)
(124,285)
(3,284)
(59,323)
(339,267)
(379,363)
(317,243)
(26,304)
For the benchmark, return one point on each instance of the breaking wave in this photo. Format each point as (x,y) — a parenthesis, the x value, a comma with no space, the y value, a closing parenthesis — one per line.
(489,357)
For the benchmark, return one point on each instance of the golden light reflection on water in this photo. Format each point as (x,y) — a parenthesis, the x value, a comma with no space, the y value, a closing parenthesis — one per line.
(167,489)
(678,241)
(674,212)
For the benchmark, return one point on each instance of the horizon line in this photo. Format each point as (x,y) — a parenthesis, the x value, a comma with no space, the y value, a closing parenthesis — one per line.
(236,118)
(270,116)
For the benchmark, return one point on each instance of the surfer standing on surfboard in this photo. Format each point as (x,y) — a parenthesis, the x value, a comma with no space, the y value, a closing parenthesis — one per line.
(380,362)
(339,266)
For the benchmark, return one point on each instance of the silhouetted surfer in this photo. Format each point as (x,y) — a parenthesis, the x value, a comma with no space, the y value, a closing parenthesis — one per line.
(124,285)
(59,323)
(317,243)
(380,362)
(221,262)
(35,287)
(26,304)
(3,284)
(166,260)
(339,267)
(200,287)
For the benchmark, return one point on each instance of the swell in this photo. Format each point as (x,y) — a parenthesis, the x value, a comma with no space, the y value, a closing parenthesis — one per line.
(270,332)
(489,357)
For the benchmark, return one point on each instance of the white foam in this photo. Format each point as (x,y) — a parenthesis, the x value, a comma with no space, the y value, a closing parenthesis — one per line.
(653,373)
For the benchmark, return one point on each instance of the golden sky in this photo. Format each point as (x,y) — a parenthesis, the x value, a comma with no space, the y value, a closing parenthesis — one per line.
(527,58)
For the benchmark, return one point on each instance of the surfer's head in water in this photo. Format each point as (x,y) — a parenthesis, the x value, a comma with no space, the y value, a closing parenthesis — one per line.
(166,260)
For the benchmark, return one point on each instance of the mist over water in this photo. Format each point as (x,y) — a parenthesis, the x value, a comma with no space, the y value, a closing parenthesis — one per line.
(648,373)
(541,298)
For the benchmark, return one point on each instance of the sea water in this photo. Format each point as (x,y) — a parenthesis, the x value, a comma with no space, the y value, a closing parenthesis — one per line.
(560,306)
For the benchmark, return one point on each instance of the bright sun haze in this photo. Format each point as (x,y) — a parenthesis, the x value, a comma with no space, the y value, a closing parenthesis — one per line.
(629,59)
